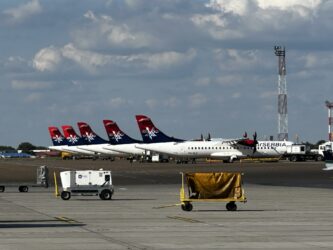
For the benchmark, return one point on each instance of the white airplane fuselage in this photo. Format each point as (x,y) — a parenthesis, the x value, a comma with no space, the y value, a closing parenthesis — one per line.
(99,148)
(71,149)
(129,148)
(217,149)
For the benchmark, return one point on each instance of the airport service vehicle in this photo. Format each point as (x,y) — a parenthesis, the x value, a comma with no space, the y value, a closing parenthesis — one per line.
(42,180)
(208,187)
(299,152)
(86,182)
(325,147)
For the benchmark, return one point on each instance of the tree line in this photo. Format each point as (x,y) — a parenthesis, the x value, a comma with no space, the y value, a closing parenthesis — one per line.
(25,147)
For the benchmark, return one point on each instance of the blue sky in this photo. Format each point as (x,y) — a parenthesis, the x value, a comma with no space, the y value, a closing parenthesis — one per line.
(192,66)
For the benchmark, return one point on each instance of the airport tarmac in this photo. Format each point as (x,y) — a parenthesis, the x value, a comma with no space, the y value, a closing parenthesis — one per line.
(289,207)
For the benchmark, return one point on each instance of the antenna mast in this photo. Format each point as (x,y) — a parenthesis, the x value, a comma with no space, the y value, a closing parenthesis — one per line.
(282,94)
(329,106)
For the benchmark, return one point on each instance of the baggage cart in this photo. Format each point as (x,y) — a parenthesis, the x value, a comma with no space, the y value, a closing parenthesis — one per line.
(86,182)
(42,180)
(212,187)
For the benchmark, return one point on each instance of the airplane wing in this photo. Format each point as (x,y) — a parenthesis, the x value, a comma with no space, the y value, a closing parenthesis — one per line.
(223,154)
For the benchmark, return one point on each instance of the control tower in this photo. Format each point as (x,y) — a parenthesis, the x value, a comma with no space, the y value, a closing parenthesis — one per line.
(282,94)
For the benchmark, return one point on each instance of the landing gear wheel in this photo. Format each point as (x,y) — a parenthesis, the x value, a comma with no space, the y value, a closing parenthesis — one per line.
(2,189)
(231,206)
(23,189)
(65,195)
(187,206)
(105,194)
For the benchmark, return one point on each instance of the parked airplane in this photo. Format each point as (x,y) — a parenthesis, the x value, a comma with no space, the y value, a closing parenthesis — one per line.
(227,150)
(93,142)
(60,143)
(120,141)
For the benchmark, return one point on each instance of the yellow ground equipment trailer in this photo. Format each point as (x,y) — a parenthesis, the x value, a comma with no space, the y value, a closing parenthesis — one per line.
(212,187)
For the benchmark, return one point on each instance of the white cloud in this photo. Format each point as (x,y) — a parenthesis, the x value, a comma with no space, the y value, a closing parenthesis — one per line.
(104,31)
(197,100)
(151,103)
(242,7)
(229,80)
(284,5)
(236,95)
(239,7)
(90,15)
(117,102)
(172,102)
(216,25)
(33,97)
(47,59)
(24,11)
(133,4)
(87,59)
(311,60)
(242,19)
(268,95)
(23,85)
(168,59)
(204,81)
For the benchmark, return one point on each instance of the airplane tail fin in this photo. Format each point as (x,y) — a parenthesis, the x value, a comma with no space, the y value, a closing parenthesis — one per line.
(88,135)
(71,136)
(116,135)
(57,138)
(151,134)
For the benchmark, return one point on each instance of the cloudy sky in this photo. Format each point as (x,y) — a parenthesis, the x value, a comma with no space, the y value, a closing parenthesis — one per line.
(192,66)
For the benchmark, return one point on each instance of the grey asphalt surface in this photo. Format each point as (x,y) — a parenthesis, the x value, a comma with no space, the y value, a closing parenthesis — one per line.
(289,207)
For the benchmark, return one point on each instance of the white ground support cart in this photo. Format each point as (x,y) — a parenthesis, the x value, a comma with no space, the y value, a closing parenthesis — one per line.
(86,182)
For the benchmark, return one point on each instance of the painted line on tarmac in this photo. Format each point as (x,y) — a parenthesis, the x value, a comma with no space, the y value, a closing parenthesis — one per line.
(185,219)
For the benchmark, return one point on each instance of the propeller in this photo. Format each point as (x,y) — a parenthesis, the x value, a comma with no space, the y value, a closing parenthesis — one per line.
(248,142)
(208,137)
(255,142)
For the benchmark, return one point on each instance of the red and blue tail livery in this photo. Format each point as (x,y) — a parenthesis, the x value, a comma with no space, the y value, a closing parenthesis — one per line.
(57,138)
(151,134)
(88,135)
(72,138)
(116,135)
